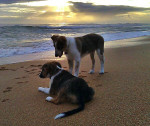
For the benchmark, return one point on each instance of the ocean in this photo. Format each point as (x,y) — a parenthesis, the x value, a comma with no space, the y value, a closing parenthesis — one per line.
(19,40)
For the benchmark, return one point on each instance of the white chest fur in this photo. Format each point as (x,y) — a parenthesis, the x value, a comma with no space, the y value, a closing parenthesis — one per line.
(73,52)
(47,90)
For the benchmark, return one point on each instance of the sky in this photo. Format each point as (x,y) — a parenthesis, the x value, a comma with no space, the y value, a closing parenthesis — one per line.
(74,11)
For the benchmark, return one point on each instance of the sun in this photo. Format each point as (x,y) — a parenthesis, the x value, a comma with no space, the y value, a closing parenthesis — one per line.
(59,4)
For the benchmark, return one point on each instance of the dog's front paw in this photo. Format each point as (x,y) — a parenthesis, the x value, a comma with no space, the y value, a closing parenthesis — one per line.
(48,98)
(76,75)
(41,89)
(101,72)
(91,71)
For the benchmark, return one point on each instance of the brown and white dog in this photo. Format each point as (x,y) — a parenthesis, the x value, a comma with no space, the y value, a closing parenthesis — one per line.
(77,47)
(66,87)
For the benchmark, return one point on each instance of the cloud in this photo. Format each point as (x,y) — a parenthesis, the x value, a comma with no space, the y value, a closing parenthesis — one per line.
(16,1)
(89,8)
(50,13)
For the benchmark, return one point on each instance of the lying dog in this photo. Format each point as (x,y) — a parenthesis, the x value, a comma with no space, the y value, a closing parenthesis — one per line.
(66,87)
(77,47)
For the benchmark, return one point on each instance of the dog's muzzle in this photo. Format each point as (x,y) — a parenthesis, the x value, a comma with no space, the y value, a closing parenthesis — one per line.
(58,53)
(41,76)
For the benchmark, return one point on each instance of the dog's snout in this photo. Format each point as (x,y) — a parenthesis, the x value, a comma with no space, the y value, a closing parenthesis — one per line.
(56,55)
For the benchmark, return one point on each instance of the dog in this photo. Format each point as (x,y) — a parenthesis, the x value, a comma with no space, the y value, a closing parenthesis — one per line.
(66,87)
(77,47)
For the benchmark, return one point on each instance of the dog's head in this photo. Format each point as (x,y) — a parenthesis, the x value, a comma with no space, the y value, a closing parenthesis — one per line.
(49,69)
(60,44)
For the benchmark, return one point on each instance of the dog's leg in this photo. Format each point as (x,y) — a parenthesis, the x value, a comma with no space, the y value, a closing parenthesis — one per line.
(70,62)
(44,90)
(102,60)
(49,98)
(77,66)
(58,99)
(54,100)
(93,63)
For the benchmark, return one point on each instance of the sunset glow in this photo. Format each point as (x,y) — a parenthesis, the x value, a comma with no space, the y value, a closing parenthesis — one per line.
(74,11)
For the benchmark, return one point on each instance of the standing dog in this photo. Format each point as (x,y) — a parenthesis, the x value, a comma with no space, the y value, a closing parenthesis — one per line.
(66,87)
(77,47)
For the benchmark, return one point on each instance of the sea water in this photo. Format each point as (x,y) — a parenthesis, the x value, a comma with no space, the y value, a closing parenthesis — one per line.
(19,40)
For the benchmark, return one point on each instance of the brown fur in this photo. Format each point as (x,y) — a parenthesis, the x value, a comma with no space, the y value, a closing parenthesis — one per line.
(89,43)
(54,38)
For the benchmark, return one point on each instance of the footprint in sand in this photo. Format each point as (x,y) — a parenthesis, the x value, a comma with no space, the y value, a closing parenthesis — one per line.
(36,65)
(39,65)
(27,71)
(3,68)
(13,70)
(4,100)
(33,69)
(21,82)
(31,72)
(82,76)
(98,85)
(7,89)
(83,71)
(24,77)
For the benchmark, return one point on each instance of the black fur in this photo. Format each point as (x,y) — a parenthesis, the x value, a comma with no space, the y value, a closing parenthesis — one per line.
(73,86)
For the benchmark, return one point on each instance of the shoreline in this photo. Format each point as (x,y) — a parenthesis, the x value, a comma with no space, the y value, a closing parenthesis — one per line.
(121,93)
(49,55)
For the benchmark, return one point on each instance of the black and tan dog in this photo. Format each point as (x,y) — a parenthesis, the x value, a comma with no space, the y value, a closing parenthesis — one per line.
(66,87)
(77,47)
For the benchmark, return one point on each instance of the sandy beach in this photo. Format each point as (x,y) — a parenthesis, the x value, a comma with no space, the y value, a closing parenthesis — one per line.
(122,94)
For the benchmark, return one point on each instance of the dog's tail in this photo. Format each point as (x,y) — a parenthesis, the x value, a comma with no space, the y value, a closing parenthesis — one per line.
(71,112)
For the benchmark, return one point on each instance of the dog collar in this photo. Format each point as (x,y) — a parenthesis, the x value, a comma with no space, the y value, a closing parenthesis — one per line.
(56,73)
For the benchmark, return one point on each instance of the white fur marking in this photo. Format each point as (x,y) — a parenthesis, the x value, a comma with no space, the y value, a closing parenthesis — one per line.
(59,116)
(48,98)
(73,53)
(40,89)
(91,71)
(77,66)
(102,59)
(59,68)
(52,78)
(45,90)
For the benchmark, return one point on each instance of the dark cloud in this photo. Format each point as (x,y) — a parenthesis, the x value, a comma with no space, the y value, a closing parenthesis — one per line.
(16,1)
(79,7)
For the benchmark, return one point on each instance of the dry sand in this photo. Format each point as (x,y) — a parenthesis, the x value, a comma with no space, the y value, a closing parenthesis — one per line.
(122,94)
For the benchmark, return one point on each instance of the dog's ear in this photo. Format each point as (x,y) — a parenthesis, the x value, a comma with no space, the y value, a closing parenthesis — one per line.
(55,37)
